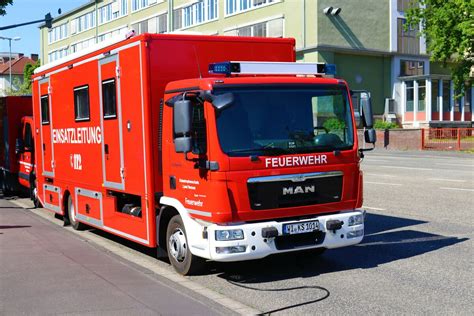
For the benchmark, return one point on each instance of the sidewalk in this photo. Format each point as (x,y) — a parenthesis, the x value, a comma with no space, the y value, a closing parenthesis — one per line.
(47,270)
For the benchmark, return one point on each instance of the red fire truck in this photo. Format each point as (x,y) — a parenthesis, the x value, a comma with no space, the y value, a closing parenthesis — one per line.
(165,140)
(17,148)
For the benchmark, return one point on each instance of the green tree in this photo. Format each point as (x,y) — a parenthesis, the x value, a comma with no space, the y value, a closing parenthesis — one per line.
(3,4)
(448,26)
(24,87)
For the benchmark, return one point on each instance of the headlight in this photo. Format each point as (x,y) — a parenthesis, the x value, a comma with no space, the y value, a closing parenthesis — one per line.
(356,220)
(232,234)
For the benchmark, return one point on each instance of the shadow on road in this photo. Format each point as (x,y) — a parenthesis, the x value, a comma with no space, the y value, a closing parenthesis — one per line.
(380,246)
(13,226)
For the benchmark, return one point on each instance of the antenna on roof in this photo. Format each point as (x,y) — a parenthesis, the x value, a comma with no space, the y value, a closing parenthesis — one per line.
(197,62)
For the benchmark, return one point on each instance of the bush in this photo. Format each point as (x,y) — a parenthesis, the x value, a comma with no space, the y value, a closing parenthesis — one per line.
(379,124)
(334,124)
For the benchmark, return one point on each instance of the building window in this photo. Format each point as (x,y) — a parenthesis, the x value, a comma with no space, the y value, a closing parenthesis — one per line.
(81,103)
(403,5)
(408,41)
(411,68)
(236,6)
(111,11)
(141,4)
(434,95)
(108,35)
(44,109)
(196,13)
(446,95)
(56,54)
(468,98)
(421,95)
(410,96)
(272,28)
(83,23)
(109,100)
(57,33)
(156,24)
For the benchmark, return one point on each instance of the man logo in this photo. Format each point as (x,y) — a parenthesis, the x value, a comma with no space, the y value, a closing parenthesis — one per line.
(299,190)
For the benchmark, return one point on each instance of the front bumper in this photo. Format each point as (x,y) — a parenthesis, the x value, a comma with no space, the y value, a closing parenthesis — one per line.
(256,246)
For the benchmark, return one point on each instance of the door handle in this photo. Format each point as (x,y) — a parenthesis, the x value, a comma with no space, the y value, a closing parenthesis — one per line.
(44,147)
(106,149)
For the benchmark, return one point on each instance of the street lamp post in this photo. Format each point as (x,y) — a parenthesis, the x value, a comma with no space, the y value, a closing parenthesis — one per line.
(10,39)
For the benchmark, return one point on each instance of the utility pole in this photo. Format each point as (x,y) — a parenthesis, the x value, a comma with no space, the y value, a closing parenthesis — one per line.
(10,39)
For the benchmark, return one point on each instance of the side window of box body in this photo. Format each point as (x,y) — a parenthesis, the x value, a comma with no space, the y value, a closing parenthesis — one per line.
(109,99)
(81,103)
(44,110)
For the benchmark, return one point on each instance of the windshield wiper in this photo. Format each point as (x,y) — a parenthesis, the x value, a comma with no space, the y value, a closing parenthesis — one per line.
(270,151)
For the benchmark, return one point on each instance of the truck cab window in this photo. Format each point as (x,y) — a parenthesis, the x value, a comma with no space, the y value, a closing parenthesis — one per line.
(109,98)
(199,129)
(28,137)
(44,109)
(81,103)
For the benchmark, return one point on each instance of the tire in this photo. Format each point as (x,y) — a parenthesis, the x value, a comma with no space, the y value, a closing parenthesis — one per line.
(71,218)
(181,258)
(34,192)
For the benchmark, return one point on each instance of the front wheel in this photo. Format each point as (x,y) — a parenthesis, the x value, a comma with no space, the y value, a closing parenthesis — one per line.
(72,216)
(181,258)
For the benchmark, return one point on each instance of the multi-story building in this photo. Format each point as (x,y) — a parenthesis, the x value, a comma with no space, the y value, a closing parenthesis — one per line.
(365,39)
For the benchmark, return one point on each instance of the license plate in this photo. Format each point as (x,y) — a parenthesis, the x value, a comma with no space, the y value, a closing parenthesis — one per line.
(300,228)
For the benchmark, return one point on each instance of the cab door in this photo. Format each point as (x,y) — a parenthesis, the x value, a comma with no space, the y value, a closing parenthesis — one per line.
(26,157)
(47,149)
(111,123)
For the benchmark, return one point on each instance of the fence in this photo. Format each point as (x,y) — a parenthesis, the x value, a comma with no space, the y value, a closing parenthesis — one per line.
(447,139)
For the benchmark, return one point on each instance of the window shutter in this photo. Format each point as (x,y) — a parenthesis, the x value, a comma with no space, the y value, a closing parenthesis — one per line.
(275,28)
(73,26)
(115,7)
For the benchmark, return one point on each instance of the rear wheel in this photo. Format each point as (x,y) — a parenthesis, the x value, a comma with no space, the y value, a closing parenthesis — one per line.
(183,261)
(72,215)
(34,192)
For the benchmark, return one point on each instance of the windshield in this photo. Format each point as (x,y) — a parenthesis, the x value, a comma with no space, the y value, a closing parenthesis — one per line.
(280,120)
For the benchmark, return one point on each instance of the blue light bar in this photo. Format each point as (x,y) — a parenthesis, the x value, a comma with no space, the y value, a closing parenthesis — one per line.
(271,68)
(225,68)
(330,69)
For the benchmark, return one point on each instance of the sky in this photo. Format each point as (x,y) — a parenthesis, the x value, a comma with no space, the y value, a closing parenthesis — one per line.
(30,10)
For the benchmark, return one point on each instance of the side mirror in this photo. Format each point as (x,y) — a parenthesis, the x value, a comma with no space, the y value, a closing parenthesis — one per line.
(182,117)
(183,144)
(19,146)
(370,136)
(366,107)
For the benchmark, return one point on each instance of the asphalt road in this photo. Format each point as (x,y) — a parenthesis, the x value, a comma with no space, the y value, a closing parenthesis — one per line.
(416,258)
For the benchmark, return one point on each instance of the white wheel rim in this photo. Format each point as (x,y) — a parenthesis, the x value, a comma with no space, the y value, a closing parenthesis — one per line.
(72,214)
(177,245)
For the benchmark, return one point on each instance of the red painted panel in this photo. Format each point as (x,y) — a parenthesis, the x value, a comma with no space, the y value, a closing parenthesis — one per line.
(435,116)
(409,116)
(88,206)
(52,197)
